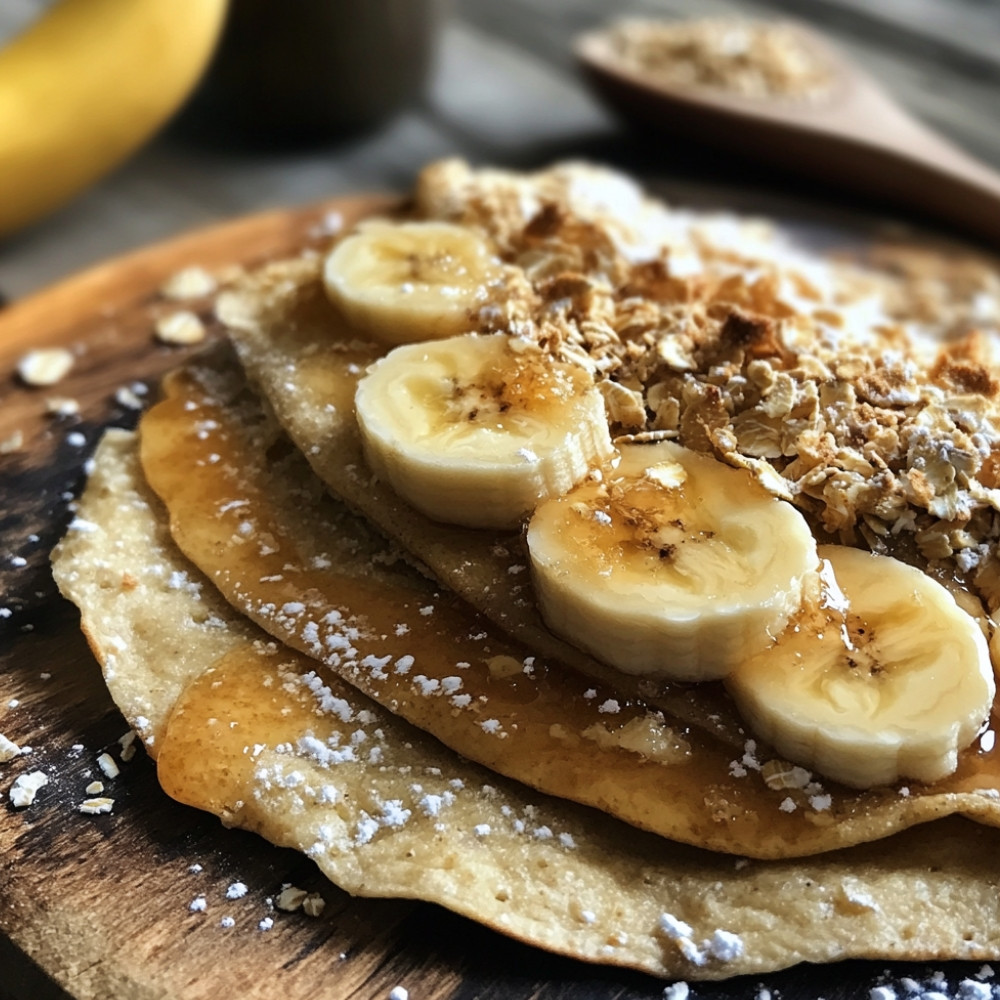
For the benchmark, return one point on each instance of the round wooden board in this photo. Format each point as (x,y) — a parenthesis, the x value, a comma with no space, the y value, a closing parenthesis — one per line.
(101,903)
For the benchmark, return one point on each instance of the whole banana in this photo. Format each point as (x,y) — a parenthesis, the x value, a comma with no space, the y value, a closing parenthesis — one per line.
(85,85)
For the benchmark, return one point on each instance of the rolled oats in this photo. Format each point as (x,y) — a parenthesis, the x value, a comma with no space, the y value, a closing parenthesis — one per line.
(45,366)
(180,328)
(866,395)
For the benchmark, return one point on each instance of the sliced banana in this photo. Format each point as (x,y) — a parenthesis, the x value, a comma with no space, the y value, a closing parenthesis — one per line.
(476,430)
(403,282)
(675,566)
(888,680)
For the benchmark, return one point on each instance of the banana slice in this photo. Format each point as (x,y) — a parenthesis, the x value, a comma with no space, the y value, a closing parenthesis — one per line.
(889,680)
(676,566)
(475,430)
(403,282)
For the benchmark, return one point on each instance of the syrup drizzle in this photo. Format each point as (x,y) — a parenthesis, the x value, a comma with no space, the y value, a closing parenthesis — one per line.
(529,726)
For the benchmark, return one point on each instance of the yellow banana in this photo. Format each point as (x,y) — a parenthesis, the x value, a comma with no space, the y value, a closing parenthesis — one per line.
(406,282)
(672,564)
(888,679)
(88,83)
(476,430)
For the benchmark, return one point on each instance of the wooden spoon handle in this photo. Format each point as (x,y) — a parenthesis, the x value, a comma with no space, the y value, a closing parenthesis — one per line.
(956,194)
(880,148)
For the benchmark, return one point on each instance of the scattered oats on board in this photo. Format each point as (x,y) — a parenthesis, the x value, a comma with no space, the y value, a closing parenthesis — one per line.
(8,749)
(127,743)
(290,898)
(25,787)
(126,397)
(95,788)
(61,406)
(45,366)
(313,905)
(94,807)
(107,764)
(13,442)
(180,328)
(189,283)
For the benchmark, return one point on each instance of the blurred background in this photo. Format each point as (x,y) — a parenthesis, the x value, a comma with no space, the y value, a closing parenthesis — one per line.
(313,98)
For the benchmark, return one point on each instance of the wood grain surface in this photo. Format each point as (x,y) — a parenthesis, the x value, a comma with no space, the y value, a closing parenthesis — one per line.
(98,906)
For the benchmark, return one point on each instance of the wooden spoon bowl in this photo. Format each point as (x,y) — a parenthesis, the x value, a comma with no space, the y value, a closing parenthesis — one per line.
(852,135)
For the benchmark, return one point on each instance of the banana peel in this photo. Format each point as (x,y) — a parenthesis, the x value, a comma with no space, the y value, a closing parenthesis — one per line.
(87,84)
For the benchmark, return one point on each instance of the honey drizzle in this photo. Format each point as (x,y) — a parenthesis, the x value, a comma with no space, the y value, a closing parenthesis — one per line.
(529,727)
(218,717)
(254,740)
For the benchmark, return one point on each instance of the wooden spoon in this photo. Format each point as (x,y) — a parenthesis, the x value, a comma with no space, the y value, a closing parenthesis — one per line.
(853,134)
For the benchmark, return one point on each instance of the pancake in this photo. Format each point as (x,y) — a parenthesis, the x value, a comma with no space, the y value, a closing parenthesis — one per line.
(234,721)
(770,360)
(310,658)
(261,531)
(306,363)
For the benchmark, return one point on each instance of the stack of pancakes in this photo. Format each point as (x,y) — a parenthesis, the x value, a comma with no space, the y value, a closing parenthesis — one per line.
(308,657)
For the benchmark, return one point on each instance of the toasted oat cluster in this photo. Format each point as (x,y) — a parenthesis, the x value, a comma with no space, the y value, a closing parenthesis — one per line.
(868,396)
(753,59)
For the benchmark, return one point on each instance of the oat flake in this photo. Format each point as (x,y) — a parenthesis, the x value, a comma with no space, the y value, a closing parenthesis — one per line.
(45,366)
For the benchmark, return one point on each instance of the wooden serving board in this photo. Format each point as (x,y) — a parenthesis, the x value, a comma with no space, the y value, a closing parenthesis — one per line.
(98,906)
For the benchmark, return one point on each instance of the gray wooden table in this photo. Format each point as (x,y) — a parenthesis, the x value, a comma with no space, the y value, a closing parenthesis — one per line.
(505,91)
